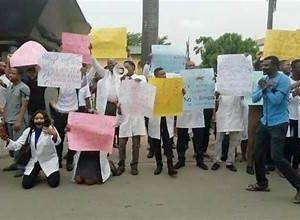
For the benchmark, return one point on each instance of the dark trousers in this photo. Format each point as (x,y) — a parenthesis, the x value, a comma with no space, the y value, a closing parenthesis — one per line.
(276,134)
(60,123)
(292,147)
(208,113)
(30,180)
(111,110)
(167,142)
(136,143)
(182,135)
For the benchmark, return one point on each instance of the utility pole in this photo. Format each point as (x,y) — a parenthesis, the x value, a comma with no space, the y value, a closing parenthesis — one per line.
(150,27)
(271,9)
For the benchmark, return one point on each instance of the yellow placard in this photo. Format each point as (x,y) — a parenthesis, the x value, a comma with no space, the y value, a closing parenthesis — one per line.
(169,97)
(283,44)
(109,43)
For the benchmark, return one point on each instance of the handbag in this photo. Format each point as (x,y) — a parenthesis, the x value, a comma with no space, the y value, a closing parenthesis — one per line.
(23,155)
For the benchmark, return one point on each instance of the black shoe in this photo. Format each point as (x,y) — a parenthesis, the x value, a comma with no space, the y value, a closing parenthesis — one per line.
(150,154)
(158,169)
(250,170)
(202,165)
(11,167)
(69,167)
(271,168)
(215,166)
(179,164)
(231,167)
(12,153)
(65,156)
(171,170)
(19,173)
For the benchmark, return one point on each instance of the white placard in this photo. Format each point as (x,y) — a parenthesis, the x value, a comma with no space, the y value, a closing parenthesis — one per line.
(234,75)
(60,70)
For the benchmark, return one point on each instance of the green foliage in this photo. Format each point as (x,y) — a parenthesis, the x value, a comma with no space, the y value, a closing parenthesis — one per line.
(135,39)
(229,43)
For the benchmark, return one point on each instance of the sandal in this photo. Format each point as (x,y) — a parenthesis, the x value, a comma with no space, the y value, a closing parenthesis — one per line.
(257,188)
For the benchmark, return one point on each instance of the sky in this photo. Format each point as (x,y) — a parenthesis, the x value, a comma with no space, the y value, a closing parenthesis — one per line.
(183,19)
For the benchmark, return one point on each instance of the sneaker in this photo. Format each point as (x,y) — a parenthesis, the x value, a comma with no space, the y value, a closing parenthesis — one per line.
(215,166)
(231,167)
(120,170)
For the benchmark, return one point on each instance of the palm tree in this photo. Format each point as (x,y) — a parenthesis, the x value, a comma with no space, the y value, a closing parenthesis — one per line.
(271,9)
(150,27)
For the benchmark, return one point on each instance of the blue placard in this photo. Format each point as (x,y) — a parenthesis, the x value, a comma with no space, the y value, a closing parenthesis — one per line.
(256,76)
(200,89)
(167,57)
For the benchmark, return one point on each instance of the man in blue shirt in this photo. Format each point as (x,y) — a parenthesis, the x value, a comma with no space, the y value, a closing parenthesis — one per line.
(274,89)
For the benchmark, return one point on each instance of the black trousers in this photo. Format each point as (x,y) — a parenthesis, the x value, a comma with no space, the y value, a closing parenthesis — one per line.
(111,110)
(292,145)
(60,123)
(167,142)
(208,113)
(30,180)
(182,135)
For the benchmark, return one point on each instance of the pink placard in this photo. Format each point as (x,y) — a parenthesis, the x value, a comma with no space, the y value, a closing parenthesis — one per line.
(28,54)
(90,132)
(78,44)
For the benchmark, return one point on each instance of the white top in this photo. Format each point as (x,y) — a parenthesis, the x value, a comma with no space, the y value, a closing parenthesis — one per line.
(67,100)
(191,119)
(83,94)
(132,125)
(44,152)
(154,127)
(3,91)
(294,104)
(229,116)
(112,95)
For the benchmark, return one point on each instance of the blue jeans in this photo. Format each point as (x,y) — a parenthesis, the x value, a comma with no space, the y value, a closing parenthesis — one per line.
(276,135)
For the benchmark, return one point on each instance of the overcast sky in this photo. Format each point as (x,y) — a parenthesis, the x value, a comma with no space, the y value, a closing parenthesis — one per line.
(180,19)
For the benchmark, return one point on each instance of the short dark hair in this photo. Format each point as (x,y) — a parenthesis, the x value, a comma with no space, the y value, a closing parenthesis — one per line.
(47,120)
(157,70)
(131,63)
(274,60)
(293,64)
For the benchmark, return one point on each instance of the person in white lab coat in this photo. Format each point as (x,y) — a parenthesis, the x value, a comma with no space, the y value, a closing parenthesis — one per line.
(190,120)
(229,119)
(43,137)
(292,148)
(162,129)
(131,126)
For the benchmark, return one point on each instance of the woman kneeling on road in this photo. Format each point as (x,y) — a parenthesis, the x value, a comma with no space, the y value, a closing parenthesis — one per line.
(42,139)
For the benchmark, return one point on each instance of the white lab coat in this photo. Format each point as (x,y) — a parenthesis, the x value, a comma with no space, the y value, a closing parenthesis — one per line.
(229,115)
(103,85)
(132,125)
(154,126)
(245,113)
(191,119)
(44,153)
(104,165)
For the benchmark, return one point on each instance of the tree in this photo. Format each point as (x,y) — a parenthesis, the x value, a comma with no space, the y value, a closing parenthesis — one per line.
(163,40)
(150,27)
(271,9)
(229,43)
(135,39)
